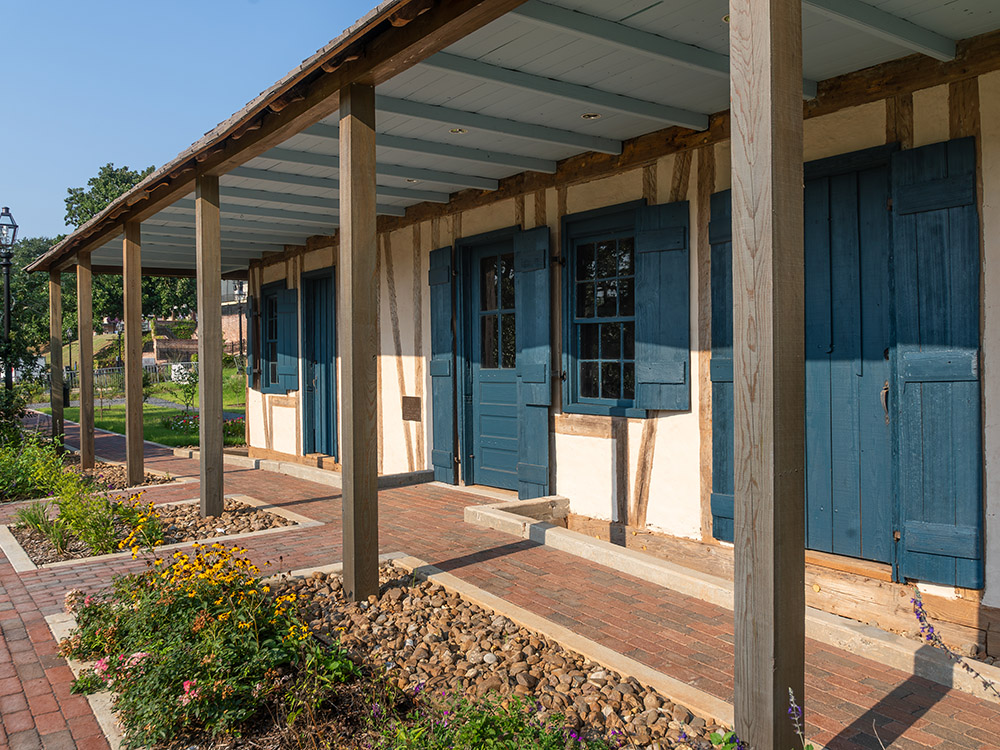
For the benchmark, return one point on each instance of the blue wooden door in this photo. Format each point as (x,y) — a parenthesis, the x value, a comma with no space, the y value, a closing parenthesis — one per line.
(937,390)
(320,433)
(849,498)
(493,365)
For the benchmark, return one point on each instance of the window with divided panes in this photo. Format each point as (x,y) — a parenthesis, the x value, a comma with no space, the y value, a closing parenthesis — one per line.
(496,312)
(604,318)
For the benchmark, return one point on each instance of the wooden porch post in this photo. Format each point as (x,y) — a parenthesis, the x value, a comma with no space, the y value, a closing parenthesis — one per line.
(358,322)
(132,283)
(769,382)
(55,354)
(208,232)
(85,323)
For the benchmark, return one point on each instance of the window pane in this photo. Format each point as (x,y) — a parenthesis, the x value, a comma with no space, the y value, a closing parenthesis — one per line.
(627,298)
(625,251)
(585,307)
(588,380)
(611,386)
(508,351)
(488,283)
(589,340)
(611,341)
(607,261)
(607,296)
(628,386)
(585,262)
(628,340)
(272,318)
(507,282)
(272,358)
(489,342)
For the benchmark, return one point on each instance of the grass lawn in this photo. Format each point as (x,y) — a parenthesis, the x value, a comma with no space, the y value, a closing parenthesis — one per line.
(233,390)
(112,418)
(100,341)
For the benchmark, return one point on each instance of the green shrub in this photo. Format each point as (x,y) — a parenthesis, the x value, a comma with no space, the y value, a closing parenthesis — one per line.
(91,516)
(32,467)
(185,329)
(196,646)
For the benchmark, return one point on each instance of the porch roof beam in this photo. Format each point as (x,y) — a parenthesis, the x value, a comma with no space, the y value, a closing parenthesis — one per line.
(314,201)
(886,26)
(173,230)
(624,37)
(180,220)
(159,247)
(169,272)
(448,150)
(385,170)
(235,210)
(590,97)
(497,125)
(325,183)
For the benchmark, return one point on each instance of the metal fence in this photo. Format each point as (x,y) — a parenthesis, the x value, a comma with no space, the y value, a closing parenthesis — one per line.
(113,378)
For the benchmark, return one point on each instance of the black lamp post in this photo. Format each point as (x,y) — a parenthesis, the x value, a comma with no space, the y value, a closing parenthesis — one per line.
(240,293)
(8,233)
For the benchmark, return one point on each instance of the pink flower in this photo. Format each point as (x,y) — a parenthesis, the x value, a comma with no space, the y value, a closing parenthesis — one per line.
(191,693)
(101,666)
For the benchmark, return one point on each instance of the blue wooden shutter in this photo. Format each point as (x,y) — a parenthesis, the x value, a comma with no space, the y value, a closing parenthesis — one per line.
(250,339)
(288,339)
(662,308)
(532,271)
(720,236)
(442,365)
(936,262)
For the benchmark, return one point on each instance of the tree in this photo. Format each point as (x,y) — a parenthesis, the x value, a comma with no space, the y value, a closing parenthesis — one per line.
(159,296)
(29,320)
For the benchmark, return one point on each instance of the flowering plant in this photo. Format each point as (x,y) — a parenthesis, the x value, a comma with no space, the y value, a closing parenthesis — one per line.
(197,644)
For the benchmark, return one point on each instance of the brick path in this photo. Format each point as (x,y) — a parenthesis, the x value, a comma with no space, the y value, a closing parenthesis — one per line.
(680,636)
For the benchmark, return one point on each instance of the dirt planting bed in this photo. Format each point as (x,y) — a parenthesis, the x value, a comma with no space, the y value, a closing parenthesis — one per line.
(430,639)
(180,523)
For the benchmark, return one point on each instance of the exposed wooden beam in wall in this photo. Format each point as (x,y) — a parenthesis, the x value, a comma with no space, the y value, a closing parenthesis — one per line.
(358,323)
(584,95)
(629,39)
(769,372)
(883,25)
(209,290)
(500,126)
(132,284)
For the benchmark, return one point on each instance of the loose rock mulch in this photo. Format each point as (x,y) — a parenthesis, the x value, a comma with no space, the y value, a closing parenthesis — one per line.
(180,523)
(111,476)
(430,639)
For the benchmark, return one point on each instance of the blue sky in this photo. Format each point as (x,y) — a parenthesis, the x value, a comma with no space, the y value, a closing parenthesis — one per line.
(134,83)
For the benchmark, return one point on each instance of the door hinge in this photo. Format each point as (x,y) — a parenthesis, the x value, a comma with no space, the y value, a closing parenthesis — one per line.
(559,259)
(896,536)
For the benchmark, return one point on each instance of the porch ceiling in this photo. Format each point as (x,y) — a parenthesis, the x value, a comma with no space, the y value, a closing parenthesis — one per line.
(511,97)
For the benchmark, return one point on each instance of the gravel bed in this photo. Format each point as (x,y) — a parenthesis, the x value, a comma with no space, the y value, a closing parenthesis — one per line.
(426,636)
(181,523)
(111,476)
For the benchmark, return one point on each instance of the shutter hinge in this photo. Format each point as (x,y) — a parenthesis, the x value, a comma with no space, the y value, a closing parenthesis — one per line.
(896,535)
(562,375)
(559,259)
(458,461)
(888,204)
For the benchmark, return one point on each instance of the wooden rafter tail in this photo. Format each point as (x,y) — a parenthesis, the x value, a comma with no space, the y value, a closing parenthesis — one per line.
(184,168)
(294,94)
(333,65)
(157,186)
(138,197)
(410,13)
(210,152)
(255,124)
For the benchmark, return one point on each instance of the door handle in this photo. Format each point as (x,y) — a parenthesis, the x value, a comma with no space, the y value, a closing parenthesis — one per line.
(884,396)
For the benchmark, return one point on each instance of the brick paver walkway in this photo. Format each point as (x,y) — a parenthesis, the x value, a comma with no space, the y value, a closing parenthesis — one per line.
(680,636)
